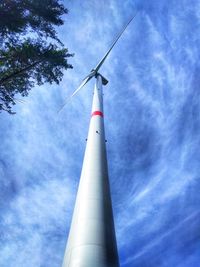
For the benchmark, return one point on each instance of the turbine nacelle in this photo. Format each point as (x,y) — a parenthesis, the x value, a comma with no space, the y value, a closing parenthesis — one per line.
(104,80)
(95,74)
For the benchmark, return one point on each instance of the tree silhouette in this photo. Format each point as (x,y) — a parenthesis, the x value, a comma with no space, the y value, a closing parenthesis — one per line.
(30,50)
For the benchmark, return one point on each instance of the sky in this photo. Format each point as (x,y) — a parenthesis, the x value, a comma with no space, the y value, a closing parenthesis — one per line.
(152,124)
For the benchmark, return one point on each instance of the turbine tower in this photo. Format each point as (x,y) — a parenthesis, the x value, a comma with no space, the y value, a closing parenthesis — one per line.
(92,241)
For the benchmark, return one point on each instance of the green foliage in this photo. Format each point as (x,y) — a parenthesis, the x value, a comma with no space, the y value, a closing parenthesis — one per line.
(40,16)
(30,51)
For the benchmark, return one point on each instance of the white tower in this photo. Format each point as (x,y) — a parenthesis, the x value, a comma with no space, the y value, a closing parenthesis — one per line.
(92,241)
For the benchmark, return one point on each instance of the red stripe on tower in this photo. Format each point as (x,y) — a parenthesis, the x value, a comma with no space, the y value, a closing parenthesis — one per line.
(97,113)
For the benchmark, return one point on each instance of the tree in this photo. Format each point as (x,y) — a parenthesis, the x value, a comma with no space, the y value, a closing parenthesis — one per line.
(30,51)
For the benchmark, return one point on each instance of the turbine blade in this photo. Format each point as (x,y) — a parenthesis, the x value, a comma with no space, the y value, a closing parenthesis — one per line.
(96,69)
(85,80)
(107,53)
(81,86)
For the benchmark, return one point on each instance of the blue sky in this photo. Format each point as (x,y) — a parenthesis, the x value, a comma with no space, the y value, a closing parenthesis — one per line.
(152,120)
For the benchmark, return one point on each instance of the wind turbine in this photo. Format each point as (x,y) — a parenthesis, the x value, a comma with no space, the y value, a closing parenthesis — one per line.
(92,241)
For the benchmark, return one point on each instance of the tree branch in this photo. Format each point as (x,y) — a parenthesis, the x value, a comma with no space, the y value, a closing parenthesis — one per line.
(5,79)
